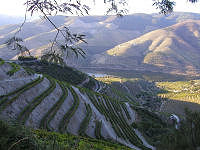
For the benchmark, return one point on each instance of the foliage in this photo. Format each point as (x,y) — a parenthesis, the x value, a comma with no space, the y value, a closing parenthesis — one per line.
(152,127)
(10,134)
(17,137)
(165,6)
(125,110)
(59,50)
(134,90)
(91,84)
(1,61)
(98,125)
(53,58)
(188,91)
(29,71)
(62,73)
(186,137)
(26,58)
(112,111)
(15,43)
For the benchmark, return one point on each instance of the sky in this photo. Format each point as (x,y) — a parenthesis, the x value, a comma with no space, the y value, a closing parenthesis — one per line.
(16,7)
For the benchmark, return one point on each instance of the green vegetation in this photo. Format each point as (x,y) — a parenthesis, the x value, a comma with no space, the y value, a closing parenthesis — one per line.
(86,120)
(133,90)
(23,116)
(152,127)
(111,103)
(1,61)
(17,137)
(52,112)
(91,84)
(6,101)
(26,58)
(119,124)
(125,110)
(112,111)
(187,137)
(188,91)
(98,125)
(14,69)
(63,124)
(29,71)
(62,73)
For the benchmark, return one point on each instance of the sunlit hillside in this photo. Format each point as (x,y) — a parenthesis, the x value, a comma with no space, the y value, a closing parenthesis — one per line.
(104,33)
(173,49)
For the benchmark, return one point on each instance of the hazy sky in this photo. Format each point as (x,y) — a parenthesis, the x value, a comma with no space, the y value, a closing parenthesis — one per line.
(16,8)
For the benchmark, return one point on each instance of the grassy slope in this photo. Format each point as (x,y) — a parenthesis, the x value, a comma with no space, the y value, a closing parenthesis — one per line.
(18,137)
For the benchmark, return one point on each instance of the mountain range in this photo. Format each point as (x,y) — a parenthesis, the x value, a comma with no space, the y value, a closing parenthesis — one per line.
(135,42)
(172,49)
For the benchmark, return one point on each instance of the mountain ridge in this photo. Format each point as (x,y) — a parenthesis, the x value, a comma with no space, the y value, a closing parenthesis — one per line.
(104,33)
(176,46)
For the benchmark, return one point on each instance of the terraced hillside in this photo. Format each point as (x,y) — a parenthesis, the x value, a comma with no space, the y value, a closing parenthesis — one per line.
(168,97)
(140,91)
(41,101)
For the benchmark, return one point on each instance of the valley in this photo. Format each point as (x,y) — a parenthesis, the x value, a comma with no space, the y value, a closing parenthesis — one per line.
(140,71)
(59,106)
(144,42)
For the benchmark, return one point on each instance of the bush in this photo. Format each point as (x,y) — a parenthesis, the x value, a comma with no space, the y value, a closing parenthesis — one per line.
(62,73)
(187,137)
(1,62)
(26,58)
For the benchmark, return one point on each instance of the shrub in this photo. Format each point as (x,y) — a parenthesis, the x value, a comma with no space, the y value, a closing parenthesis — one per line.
(26,58)
(1,62)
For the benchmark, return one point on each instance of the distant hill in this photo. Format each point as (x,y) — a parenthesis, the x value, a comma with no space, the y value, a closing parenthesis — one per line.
(102,33)
(174,49)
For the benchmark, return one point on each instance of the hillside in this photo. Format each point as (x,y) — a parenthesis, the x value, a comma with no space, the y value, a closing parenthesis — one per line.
(173,49)
(169,97)
(102,32)
(41,139)
(149,71)
(41,101)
